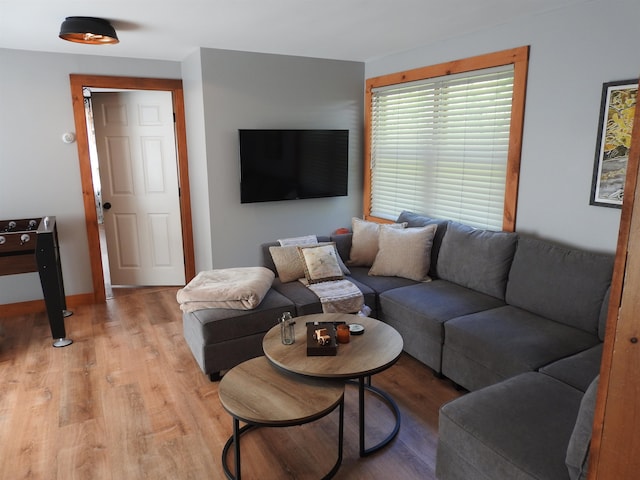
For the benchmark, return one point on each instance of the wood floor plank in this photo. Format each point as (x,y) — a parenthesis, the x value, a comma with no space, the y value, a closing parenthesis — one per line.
(82,453)
(127,401)
(34,424)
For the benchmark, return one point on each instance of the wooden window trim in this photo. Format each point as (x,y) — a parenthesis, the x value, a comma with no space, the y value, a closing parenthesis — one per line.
(519,57)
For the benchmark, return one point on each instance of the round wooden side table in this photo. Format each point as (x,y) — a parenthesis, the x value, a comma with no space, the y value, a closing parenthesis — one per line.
(260,395)
(377,349)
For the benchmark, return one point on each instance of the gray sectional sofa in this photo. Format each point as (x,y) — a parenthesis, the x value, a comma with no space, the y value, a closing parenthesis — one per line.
(518,321)
(531,426)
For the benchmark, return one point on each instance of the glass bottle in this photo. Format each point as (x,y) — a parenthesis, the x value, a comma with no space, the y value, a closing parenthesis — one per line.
(287,332)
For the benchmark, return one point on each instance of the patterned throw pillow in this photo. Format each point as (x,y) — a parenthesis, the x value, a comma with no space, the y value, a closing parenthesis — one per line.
(321,263)
(290,264)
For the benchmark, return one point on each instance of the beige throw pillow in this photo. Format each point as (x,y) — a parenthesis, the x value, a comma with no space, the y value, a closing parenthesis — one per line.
(321,263)
(404,252)
(290,265)
(364,241)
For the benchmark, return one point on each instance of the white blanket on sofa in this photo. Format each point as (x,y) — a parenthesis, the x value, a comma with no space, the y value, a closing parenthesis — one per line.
(241,288)
(338,296)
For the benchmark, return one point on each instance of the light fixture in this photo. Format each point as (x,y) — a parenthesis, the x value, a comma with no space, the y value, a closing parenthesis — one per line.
(93,31)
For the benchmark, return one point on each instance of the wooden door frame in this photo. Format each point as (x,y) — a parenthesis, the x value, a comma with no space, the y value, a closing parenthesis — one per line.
(615,442)
(78,83)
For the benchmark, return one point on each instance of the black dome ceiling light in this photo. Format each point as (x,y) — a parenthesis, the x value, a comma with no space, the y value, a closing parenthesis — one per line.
(89,30)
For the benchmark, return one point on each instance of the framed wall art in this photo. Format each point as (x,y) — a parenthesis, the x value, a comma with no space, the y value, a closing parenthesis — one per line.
(617,109)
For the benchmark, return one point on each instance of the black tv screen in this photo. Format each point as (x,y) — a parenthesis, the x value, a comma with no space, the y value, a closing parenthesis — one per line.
(293,164)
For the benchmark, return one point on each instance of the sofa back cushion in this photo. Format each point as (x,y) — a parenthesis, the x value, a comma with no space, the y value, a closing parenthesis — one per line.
(343,244)
(562,284)
(476,259)
(577,459)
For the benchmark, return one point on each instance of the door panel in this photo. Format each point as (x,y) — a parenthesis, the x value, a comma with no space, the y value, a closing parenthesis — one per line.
(137,156)
(118,165)
(126,248)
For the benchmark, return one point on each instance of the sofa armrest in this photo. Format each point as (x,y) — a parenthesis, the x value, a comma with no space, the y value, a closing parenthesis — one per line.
(578,450)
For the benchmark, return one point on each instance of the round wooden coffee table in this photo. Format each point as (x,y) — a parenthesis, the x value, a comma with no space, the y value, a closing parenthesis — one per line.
(375,350)
(260,395)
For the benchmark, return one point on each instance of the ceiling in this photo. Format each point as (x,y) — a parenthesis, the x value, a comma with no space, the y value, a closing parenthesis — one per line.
(358,30)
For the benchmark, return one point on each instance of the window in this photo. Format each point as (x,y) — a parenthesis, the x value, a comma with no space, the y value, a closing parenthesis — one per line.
(445,140)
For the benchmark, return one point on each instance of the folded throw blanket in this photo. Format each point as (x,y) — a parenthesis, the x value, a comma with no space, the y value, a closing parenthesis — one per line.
(241,288)
(338,296)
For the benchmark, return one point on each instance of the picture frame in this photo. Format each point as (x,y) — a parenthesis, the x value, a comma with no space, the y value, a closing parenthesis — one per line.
(617,108)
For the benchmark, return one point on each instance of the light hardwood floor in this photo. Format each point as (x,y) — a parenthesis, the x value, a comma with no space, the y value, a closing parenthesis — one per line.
(127,401)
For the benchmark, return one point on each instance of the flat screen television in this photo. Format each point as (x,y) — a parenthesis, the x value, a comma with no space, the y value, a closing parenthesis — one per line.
(293,164)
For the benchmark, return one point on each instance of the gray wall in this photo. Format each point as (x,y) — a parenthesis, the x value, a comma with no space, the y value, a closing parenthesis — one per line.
(198,168)
(224,91)
(573,52)
(39,174)
(249,90)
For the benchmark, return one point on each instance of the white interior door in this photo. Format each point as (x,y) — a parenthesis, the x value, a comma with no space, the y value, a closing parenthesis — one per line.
(135,140)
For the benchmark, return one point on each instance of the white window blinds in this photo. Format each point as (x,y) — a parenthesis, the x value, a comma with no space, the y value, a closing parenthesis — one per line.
(439,146)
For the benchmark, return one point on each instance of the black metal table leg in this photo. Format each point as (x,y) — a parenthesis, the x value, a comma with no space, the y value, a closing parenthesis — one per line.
(50,271)
(236,442)
(239,431)
(364,384)
(336,467)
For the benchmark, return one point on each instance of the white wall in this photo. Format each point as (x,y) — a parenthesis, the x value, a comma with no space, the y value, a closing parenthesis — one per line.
(39,174)
(573,52)
(249,90)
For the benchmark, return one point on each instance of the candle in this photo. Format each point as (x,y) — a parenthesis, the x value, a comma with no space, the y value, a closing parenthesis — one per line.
(342,333)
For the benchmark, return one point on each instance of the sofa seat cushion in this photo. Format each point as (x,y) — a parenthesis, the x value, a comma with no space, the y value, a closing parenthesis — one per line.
(221,338)
(220,324)
(559,283)
(378,284)
(577,370)
(429,305)
(516,429)
(419,311)
(489,346)
(306,302)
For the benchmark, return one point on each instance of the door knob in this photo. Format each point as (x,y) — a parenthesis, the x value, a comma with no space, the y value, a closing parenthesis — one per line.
(106,205)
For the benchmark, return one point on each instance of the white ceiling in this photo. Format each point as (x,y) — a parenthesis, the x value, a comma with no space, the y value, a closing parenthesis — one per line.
(357,30)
